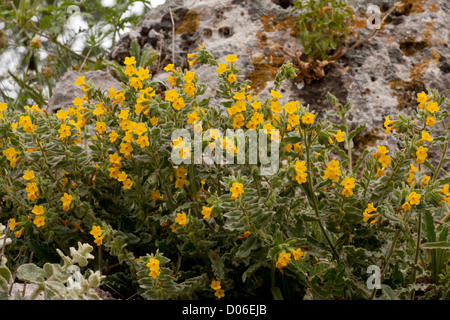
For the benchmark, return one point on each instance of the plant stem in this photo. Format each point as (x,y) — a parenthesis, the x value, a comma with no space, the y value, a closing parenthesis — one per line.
(416,256)
(316,207)
(194,189)
(256,185)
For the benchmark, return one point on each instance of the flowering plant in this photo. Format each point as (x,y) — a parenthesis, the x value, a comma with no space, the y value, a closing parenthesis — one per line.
(110,171)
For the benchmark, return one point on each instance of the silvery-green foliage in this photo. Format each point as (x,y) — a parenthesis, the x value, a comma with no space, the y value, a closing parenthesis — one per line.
(64,282)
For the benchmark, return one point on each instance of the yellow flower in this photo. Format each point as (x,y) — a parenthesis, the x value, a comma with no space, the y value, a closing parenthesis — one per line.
(445,190)
(231,78)
(297,254)
(421,154)
(222,68)
(422,97)
(80,81)
(181,219)
(215,285)
(283,260)
(129,61)
(231,58)
(172,80)
(39,221)
(143,142)
(113,136)
(100,127)
(143,74)
(155,195)
(430,121)
(236,189)
(406,206)
(425,179)
(332,171)
(169,67)
(275,94)
(189,77)
(12,223)
(380,173)
(301,177)
(114,172)
(19,233)
(96,231)
(300,166)
(432,107)
(206,212)
(339,136)
(294,120)
(178,104)
(64,131)
(62,115)
(387,123)
(193,117)
(291,107)
(127,184)
(3,106)
(154,120)
(98,241)
(425,137)
(153,264)
(171,95)
(256,104)
(414,198)
(385,160)
(190,89)
(78,102)
(38,210)
(136,83)
(220,293)
(28,175)
(308,118)
(66,199)
(119,97)
(112,93)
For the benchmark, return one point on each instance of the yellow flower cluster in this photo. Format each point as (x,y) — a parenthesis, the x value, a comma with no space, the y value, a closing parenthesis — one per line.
(180,220)
(216,286)
(366,214)
(332,171)
(153,264)
(382,156)
(97,232)
(236,190)
(300,168)
(284,258)
(445,191)
(39,219)
(13,224)
(348,184)
(11,156)
(116,173)
(180,177)
(66,200)
(206,212)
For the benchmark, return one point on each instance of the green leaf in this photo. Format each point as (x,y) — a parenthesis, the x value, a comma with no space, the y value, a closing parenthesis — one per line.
(135,50)
(436,245)
(356,131)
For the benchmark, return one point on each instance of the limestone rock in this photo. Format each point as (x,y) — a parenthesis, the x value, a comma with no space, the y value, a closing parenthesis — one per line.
(65,91)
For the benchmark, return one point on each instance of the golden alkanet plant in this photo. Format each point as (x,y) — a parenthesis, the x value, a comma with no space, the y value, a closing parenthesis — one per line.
(103,172)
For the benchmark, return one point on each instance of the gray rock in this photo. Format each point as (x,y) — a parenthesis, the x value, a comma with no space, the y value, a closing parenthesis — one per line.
(65,91)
